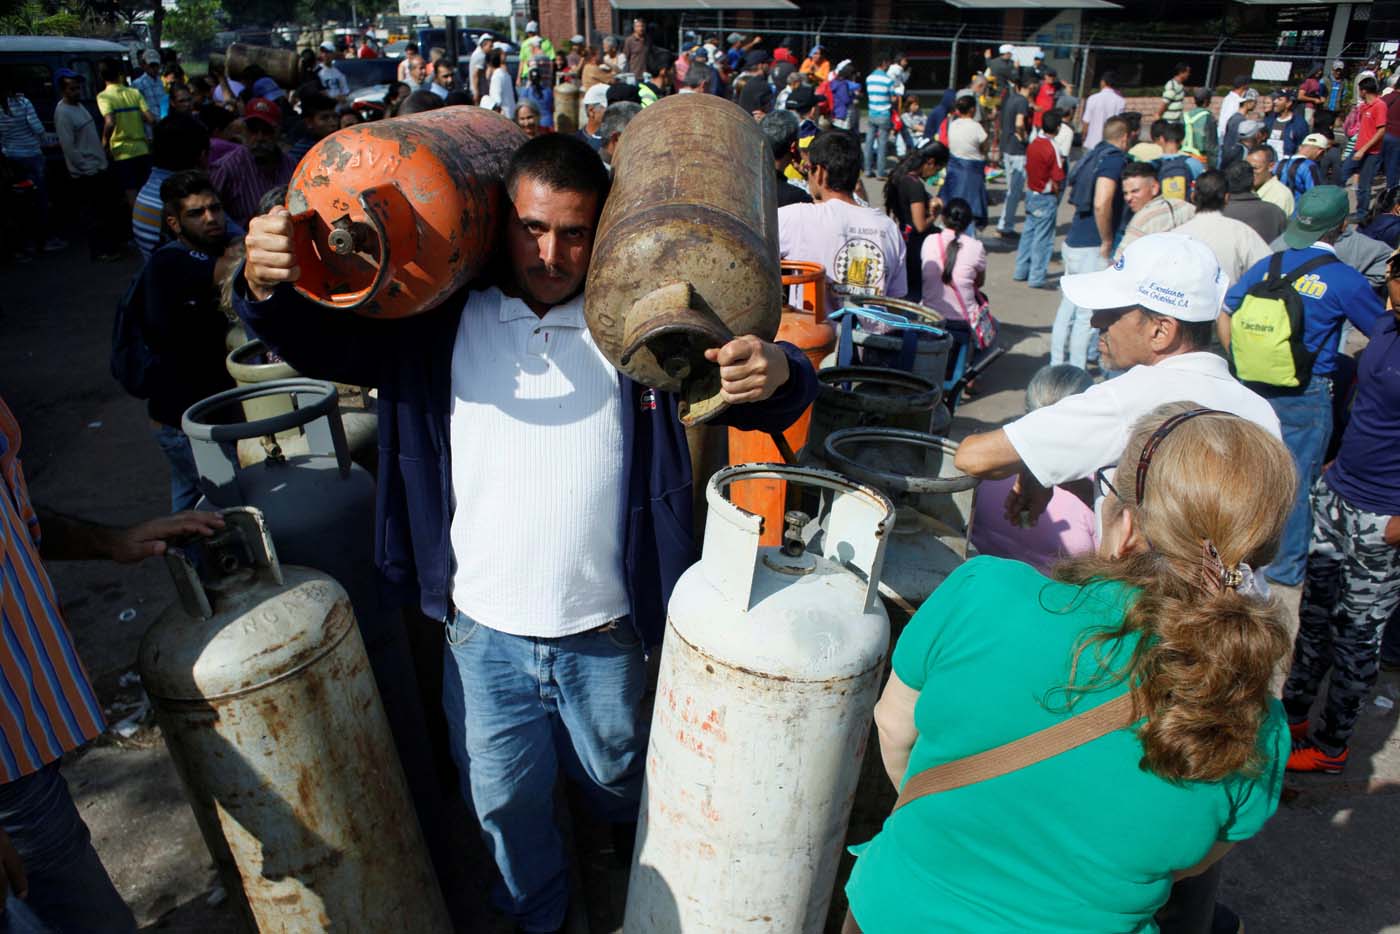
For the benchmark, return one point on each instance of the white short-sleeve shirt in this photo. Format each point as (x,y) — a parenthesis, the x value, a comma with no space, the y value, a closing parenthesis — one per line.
(1081,433)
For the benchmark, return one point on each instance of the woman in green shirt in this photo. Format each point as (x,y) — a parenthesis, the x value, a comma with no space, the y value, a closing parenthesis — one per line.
(1092,839)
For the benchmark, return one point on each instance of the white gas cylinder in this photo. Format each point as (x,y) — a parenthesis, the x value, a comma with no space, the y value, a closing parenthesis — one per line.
(770,668)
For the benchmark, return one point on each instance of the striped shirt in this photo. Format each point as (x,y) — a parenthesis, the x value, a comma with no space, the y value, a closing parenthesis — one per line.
(47,705)
(878,86)
(146,214)
(21,133)
(1174,93)
(241,182)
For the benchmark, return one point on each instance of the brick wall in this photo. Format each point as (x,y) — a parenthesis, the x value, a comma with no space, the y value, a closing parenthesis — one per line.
(561,19)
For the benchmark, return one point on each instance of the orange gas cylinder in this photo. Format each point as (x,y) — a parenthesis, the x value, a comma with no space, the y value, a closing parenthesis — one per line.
(393,216)
(807,329)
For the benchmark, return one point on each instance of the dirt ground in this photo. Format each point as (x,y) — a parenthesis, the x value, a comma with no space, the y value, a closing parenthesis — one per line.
(1326,862)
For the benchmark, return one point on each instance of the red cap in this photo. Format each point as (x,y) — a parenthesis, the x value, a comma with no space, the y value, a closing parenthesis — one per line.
(781,54)
(260,108)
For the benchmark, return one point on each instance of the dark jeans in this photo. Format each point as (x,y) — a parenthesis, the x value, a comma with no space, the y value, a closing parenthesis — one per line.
(1190,909)
(1390,157)
(104,212)
(31,168)
(69,890)
(1367,167)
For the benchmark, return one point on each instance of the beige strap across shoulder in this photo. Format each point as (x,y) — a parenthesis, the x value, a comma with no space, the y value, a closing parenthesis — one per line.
(1017,754)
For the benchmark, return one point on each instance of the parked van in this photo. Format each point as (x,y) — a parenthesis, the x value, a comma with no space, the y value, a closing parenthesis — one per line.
(28,65)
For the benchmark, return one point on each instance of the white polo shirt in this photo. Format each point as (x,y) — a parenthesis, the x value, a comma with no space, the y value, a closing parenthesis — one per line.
(538,473)
(1079,434)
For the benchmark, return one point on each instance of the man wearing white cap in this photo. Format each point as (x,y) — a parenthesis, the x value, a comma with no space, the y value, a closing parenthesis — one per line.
(1004,70)
(476,66)
(1155,311)
(1300,172)
(595,104)
(332,79)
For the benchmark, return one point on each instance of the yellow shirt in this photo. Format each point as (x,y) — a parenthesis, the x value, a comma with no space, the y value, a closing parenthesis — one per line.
(125,105)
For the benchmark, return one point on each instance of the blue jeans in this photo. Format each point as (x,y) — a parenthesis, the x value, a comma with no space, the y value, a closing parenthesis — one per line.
(1037,240)
(184,476)
(69,890)
(1015,167)
(1071,334)
(875,141)
(1367,167)
(1390,157)
(518,708)
(1306,420)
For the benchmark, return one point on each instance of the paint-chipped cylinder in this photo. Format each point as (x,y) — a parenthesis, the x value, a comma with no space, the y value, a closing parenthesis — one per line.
(769,671)
(281,65)
(263,691)
(686,253)
(391,217)
(566,102)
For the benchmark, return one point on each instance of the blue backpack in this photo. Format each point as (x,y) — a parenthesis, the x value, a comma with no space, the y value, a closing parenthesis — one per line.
(1081,180)
(1177,175)
(1297,172)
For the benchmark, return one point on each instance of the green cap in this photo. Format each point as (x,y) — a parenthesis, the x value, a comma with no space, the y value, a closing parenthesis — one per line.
(1319,210)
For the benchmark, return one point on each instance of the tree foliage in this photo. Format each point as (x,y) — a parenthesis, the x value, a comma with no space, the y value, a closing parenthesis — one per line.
(193,23)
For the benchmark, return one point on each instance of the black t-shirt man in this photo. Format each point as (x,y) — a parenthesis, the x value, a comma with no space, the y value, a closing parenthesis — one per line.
(757,94)
(185,329)
(1011,144)
(788,193)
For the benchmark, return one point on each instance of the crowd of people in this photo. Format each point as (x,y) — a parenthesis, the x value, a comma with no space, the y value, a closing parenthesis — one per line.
(1129,525)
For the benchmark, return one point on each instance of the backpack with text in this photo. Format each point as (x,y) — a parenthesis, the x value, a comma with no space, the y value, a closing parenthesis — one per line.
(1176,177)
(132,361)
(1266,331)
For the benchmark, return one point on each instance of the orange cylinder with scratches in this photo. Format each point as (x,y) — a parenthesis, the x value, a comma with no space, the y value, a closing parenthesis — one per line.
(807,329)
(391,217)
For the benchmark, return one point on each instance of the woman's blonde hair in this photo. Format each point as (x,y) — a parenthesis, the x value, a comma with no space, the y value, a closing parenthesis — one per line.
(1211,495)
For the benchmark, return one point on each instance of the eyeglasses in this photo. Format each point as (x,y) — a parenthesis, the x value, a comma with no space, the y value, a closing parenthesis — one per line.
(1101,483)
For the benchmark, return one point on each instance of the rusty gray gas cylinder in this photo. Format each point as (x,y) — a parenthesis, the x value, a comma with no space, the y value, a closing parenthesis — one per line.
(686,253)
(769,671)
(915,470)
(264,695)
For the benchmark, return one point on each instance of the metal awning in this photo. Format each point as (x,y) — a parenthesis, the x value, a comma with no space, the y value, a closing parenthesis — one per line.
(686,6)
(1034,4)
(1301,2)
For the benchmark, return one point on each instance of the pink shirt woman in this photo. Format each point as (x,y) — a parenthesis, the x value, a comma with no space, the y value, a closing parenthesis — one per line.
(956,298)
(1067,527)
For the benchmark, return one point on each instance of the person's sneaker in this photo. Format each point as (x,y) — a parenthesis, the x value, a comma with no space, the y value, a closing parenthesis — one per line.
(24,256)
(54,244)
(108,258)
(1298,732)
(1306,757)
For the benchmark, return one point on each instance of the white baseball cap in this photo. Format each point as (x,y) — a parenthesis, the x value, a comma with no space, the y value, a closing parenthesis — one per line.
(532,26)
(596,96)
(1167,273)
(1006,47)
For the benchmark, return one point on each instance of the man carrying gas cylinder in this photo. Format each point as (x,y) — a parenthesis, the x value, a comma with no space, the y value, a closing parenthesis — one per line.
(532,498)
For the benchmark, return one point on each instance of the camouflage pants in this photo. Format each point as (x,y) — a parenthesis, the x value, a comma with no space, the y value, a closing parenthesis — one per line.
(1352,585)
